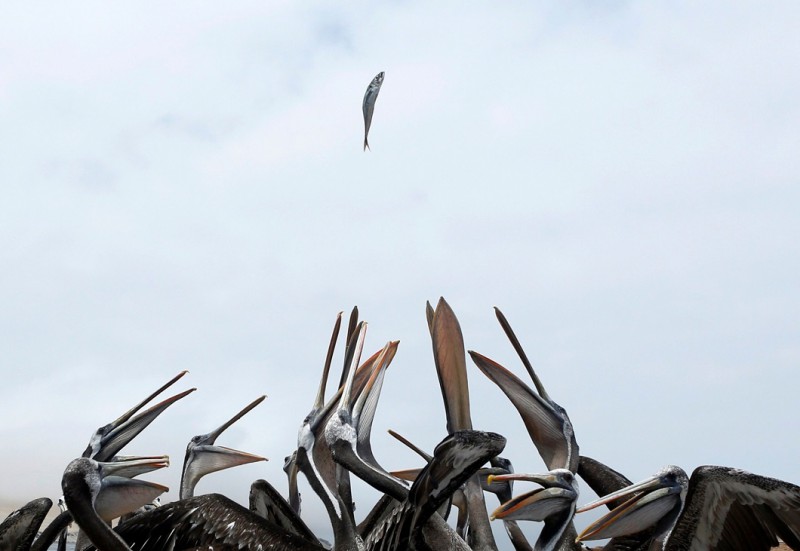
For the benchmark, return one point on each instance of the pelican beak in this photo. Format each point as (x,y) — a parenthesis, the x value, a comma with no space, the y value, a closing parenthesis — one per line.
(537,504)
(549,428)
(409,475)
(123,433)
(490,482)
(451,365)
(102,433)
(643,486)
(367,401)
(131,466)
(649,501)
(546,479)
(205,459)
(209,459)
(320,400)
(119,496)
(212,436)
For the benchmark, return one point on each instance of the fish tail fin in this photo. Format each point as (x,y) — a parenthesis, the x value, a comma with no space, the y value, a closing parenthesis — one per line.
(366,145)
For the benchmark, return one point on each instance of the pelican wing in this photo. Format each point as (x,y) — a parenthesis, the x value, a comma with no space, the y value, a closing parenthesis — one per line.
(735,510)
(267,502)
(19,528)
(455,460)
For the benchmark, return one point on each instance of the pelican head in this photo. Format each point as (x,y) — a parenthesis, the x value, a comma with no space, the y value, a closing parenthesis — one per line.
(655,501)
(559,493)
(109,439)
(554,503)
(203,456)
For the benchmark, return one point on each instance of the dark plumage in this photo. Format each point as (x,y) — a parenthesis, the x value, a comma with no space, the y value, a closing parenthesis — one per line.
(19,528)
(717,508)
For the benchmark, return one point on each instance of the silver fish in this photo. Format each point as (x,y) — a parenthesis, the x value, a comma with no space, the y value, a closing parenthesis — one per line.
(369,104)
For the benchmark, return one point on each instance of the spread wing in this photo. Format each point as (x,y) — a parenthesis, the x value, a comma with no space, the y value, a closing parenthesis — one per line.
(735,510)
(267,502)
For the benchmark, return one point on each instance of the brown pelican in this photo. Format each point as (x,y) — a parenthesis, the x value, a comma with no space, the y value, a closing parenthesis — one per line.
(316,462)
(409,523)
(344,429)
(19,529)
(120,494)
(105,443)
(368,105)
(552,433)
(501,488)
(547,422)
(204,457)
(290,464)
(554,504)
(717,508)
(347,435)
(455,461)
(451,367)
(347,432)
(321,412)
(81,483)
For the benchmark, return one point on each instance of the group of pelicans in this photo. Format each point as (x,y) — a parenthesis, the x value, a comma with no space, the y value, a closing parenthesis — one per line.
(717,508)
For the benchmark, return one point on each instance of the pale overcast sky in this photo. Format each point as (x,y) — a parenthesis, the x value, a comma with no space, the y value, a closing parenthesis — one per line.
(184,187)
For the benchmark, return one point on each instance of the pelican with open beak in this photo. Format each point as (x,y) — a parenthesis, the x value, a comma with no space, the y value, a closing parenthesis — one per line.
(203,456)
(554,504)
(717,508)
(656,500)
(109,439)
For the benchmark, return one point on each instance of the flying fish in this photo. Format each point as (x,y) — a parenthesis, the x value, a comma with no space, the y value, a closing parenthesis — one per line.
(369,104)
